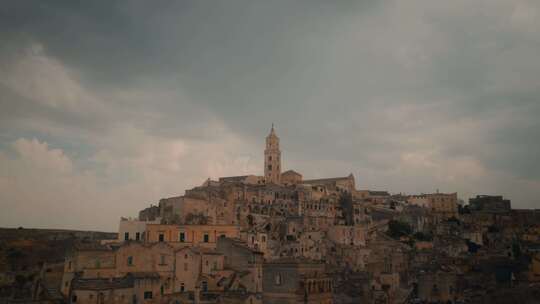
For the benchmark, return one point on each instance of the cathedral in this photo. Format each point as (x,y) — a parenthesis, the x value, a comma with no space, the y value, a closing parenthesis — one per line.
(274,176)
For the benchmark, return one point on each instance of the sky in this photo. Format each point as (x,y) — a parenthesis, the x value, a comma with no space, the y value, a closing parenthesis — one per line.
(108,106)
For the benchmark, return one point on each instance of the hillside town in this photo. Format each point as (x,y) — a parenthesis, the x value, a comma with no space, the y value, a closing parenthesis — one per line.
(284,238)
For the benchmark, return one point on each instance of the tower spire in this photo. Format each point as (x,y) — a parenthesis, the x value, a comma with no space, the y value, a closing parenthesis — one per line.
(272,158)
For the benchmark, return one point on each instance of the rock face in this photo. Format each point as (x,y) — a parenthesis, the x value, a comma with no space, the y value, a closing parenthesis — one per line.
(32,260)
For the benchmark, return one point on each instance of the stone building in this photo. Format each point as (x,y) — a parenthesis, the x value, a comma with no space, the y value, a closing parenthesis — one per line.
(443,205)
(190,235)
(87,260)
(291,280)
(340,184)
(375,197)
(291,177)
(490,204)
(149,214)
(347,235)
(244,260)
(257,239)
(420,200)
(133,229)
(103,291)
(197,268)
(137,288)
(243,179)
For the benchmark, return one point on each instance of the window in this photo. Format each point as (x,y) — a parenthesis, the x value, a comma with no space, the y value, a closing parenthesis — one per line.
(269,167)
(270,157)
(263,238)
(214,266)
(204,286)
(137,236)
(126,236)
(278,279)
(162,259)
(98,263)
(182,237)
(161,290)
(130,261)
(182,287)
(206,238)
(69,265)
(147,294)
(161,237)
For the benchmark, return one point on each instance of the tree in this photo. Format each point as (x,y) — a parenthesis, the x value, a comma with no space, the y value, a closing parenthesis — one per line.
(397,229)
(423,237)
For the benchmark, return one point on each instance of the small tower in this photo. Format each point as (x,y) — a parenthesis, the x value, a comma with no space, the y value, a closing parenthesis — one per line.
(272,158)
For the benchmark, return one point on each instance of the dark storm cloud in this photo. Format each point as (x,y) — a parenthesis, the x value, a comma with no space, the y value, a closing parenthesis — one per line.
(405,94)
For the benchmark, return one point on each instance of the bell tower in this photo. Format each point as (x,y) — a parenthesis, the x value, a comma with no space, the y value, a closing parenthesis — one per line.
(272,158)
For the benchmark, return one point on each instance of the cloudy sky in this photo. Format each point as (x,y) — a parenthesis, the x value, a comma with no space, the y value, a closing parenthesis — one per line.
(106,107)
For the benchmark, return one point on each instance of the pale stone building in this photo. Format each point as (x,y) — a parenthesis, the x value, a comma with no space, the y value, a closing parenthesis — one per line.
(339,184)
(180,236)
(291,177)
(244,179)
(133,229)
(420,200)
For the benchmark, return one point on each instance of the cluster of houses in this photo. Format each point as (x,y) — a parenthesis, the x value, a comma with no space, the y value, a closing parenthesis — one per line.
(279,238)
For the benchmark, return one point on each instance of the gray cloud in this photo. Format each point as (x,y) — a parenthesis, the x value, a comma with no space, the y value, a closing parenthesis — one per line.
(410,96)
